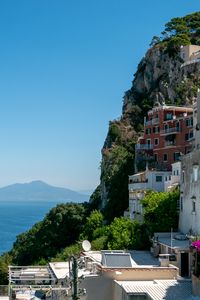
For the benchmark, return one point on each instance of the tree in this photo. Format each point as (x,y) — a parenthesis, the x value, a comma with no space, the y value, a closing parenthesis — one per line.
(121,232)
(160,210)
(60,228)
(93,223)
(124,233)
(155,40)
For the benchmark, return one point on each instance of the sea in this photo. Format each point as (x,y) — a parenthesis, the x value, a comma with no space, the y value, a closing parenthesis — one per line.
(18,217)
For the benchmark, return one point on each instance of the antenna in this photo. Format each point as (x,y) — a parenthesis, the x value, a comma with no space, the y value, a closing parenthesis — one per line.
(86,245)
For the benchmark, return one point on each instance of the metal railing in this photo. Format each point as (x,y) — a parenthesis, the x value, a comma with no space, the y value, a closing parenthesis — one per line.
(170,130)
(152,122)
(143,146)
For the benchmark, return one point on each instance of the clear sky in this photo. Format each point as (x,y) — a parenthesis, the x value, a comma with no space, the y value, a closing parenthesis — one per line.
(64,67)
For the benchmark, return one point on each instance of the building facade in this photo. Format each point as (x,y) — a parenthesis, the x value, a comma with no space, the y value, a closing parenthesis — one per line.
(139,184)
(168,132)
(189,215)
(190,52)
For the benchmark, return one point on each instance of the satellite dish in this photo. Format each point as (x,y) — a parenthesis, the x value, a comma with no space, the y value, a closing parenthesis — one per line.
(86,245)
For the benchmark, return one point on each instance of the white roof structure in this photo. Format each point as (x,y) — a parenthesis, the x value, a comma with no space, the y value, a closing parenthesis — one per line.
(60,269)
(159,289)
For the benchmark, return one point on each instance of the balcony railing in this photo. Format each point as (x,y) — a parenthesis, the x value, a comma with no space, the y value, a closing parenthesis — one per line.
(152,122)
(170,130)
(143,146)
(155,121)
(169,143)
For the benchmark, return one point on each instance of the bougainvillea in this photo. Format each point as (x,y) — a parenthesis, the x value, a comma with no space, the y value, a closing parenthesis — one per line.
(196,245)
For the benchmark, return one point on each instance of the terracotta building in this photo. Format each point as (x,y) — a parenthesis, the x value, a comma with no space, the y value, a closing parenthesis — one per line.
(168,133)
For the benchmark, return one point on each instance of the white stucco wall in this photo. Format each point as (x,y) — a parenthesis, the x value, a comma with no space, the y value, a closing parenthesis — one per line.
(189,216)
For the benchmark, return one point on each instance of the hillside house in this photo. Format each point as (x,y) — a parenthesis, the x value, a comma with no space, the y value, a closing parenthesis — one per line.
(168,133)
(139,184)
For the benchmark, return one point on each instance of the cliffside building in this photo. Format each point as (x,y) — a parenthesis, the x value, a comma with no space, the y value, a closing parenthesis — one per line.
(168,132)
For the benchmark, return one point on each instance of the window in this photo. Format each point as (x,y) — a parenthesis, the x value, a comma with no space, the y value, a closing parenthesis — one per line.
(166,127)
(168,116)
(183,176)
(149,143)
(181,203)
(158,178)
(195,172)
(177,126)
(148,131)
(176,156)
(189,122)
(156,129)
(189,135)
(156,141)
(193,206)
(165,157)
(156,157)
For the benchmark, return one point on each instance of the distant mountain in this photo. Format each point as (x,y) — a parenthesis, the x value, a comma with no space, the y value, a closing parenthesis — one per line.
(39,191)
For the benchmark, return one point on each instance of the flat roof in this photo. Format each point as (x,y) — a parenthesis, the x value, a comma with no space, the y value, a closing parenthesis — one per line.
(144,258)
(176,244)
(159,289)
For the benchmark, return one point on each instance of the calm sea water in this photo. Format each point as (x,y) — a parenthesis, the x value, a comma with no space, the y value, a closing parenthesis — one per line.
(18,217)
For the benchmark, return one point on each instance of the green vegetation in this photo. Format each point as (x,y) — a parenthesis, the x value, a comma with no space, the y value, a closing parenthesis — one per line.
(60,228)
(179,31)
(118,163)
(60,233)
(127,234)
(160,211)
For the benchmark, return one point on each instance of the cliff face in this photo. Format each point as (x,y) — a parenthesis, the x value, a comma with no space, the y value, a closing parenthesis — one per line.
(160,78)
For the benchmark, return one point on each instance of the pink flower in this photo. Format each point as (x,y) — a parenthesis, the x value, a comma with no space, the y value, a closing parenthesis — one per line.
(196,245)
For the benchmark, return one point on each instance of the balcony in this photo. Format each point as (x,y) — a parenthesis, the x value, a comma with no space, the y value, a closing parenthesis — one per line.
(137,186)
(143,147)
(152,122)
(170,131)
(155,121)
(170,143)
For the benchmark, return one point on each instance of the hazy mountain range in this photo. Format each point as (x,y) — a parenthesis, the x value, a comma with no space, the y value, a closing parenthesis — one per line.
(39,191)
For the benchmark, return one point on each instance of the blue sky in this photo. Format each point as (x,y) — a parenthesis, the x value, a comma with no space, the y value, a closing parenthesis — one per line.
(64,67)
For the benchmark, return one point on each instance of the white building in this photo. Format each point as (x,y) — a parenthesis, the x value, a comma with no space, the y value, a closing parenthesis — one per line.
(139,184)
(173,180)
(189,216)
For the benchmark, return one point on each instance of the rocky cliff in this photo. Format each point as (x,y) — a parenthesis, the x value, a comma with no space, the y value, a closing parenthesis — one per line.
(160,78)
